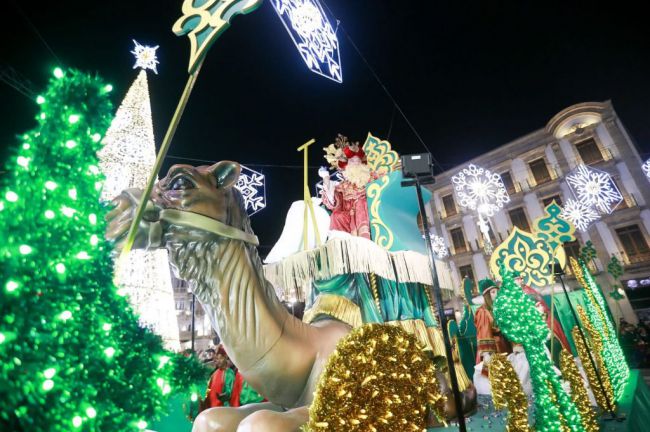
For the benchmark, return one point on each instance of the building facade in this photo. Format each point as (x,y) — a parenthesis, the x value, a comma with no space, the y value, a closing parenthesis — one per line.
(533,169)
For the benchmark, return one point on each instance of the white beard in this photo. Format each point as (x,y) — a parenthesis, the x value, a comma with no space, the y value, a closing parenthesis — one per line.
(358,175)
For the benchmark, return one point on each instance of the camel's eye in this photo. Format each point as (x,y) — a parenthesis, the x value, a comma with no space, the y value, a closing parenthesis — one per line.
(181,183)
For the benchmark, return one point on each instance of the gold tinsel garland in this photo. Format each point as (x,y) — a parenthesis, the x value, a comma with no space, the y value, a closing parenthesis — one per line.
(378,379)
(508,393)
(563,423)
(583,353)
(579,395)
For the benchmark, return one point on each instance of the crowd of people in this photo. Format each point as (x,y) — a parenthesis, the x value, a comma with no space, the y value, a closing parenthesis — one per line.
(635,342)
(226,386)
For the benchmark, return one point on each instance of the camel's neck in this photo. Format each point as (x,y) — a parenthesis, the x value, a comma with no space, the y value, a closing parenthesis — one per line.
(242,305)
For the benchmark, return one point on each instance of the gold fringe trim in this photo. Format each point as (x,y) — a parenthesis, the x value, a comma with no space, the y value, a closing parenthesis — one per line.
(335,306)
(345,256)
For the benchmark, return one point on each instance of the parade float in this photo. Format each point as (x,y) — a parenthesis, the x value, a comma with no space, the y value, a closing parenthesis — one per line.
(372,351)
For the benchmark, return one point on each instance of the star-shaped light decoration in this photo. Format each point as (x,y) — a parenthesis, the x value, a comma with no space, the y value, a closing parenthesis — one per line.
(594,188)
(252,186)
(579,214)
(646,168)
(480,189)
(145,57)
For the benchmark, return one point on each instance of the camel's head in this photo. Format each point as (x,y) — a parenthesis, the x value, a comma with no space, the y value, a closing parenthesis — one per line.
(205,190)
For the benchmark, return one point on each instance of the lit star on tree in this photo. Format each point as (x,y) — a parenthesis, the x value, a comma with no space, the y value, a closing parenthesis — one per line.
(145,57)
(594,188)
(579,214)
(646,168)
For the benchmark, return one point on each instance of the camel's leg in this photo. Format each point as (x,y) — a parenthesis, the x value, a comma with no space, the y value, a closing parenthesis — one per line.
(270,421)
(226,419)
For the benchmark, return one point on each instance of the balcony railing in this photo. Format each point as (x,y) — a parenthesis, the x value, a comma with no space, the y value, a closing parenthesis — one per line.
(459,249)
(638,258)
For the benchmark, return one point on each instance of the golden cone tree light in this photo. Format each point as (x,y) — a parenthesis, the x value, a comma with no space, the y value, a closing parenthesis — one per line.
(126,160)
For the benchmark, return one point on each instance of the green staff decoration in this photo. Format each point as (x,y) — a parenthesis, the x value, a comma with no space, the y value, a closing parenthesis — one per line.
(203,23)
(515,314)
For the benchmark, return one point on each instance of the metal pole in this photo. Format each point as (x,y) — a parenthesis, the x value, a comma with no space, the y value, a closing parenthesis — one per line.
(584,340)
(193,317)
(435,287)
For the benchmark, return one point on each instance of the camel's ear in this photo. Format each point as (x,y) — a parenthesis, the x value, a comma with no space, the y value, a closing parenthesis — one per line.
(226,173)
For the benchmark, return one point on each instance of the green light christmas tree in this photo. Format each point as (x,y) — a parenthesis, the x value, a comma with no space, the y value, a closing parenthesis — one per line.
(72,356)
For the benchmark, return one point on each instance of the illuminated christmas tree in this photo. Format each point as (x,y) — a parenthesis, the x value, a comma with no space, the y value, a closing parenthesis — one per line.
(126,160)
(72,355)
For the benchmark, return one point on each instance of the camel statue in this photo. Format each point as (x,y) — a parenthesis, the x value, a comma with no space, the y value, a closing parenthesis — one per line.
(197,214)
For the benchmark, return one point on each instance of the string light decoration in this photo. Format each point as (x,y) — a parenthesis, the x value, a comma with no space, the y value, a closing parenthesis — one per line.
(571,373)
(599,316)
(646,168)
(126,160)
(515,314)
(579,214)
(594,188)
(335,177)
(378,379)
(252,185)
(508,393)
(313,36)
(74,356)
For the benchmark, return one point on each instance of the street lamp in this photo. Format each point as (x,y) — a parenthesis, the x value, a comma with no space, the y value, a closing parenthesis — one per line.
(418,171)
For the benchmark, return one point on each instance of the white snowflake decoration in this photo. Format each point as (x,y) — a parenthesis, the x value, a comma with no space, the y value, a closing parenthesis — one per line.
(594,188)
(336,177)
(646,168)
(252,185)
(439,247)
(145,57)
(579,214)
(480,189)
(312,34)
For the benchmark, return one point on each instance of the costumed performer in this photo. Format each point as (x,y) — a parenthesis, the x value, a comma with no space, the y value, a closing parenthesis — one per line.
(221,382)
(347,199)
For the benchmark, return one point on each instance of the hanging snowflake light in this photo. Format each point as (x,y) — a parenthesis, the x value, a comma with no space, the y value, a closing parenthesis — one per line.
(312,34)
(480,189)
(252,186)
(579,214)
(594,188)
(439,247)
(646,168)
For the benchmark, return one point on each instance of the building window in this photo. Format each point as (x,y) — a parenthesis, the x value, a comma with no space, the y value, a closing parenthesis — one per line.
(546,201)
(634,244)
(540,171)
(519,219)
(449,204)
(458,240)
(589,152)
(508,183)
(466,271)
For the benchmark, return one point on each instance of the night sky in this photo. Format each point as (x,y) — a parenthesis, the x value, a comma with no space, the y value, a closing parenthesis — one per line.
(470,76)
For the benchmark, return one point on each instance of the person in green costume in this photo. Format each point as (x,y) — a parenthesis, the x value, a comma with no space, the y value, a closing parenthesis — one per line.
(221,382)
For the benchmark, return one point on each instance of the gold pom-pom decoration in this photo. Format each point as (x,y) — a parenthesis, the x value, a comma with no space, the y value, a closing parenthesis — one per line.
(583,353)
(579,395)
(508,393)
(378,379)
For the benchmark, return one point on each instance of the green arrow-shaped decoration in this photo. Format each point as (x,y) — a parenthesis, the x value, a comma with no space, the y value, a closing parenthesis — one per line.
(203,21)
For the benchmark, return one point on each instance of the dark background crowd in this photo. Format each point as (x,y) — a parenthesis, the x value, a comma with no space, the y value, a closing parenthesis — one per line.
(635,341)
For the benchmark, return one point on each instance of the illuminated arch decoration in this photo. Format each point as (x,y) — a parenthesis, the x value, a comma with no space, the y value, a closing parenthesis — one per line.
(252,186)
(594,188)
(313,36)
